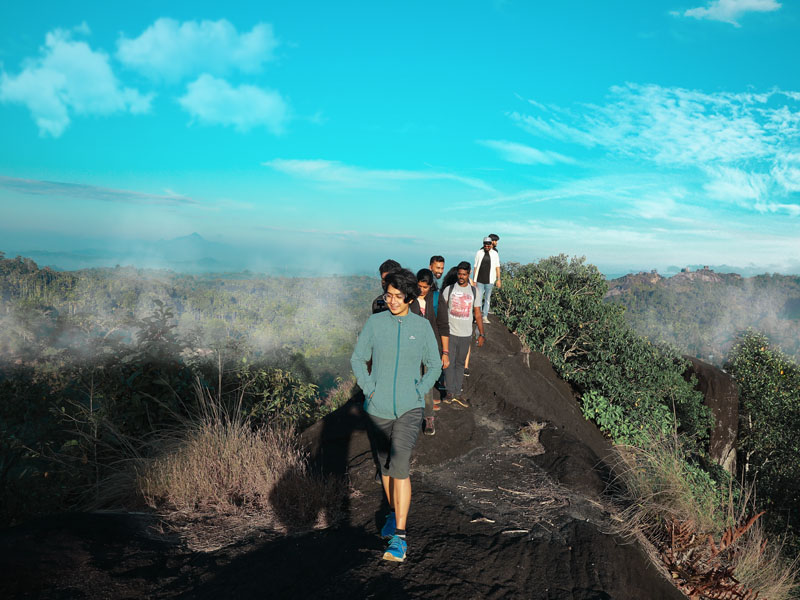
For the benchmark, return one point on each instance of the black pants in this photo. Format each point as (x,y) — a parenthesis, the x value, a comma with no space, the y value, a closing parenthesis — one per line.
(454,374)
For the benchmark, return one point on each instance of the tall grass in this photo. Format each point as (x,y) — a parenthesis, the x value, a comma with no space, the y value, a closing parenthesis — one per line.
(699,529)
(217,462)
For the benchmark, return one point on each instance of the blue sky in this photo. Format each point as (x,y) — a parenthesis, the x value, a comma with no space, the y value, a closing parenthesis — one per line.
(331,136)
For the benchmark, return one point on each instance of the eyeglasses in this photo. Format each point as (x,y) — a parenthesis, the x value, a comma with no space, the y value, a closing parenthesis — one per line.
(400,297)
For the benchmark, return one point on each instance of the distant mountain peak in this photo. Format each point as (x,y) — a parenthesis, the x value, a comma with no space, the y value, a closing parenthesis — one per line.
(194,236)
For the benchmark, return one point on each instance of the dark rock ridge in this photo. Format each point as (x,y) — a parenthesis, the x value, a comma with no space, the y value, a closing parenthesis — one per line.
(722,397)
(490,518)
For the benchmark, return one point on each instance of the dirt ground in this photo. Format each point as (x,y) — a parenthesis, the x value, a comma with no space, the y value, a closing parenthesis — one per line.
(490,518)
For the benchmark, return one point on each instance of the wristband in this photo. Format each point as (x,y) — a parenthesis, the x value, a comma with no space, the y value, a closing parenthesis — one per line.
(481,335)
(445,352)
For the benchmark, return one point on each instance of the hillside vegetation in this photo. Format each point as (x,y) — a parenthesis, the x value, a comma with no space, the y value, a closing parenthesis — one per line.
(96,365)
(634,391)
(701,313)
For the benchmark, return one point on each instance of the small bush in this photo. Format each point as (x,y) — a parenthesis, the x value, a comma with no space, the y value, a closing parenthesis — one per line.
(661,485)
(219,463)
(528,437)
(337,396)
(702,535)
(761,565)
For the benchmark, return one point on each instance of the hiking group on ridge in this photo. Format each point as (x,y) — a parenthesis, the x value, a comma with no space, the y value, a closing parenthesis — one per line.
(413,350)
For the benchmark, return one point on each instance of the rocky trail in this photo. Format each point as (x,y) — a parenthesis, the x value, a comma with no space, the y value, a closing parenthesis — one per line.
(490,517)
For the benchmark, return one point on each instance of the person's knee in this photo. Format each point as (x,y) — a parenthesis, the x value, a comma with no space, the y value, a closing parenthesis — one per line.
(399,470)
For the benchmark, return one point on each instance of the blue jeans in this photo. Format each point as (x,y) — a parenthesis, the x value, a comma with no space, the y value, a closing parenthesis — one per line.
(486,291)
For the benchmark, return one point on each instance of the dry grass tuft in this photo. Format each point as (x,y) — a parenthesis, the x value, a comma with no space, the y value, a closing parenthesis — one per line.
(217,463)
(708,543)
(338,395)
(761,565)
(528,437)
(658,485)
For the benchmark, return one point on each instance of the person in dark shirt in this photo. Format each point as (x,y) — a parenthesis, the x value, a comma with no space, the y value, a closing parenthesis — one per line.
(486,273)
(427,303)
(436,267)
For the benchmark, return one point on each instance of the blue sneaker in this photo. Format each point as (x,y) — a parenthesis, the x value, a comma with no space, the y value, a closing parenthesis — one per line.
(389,527)
(396,551)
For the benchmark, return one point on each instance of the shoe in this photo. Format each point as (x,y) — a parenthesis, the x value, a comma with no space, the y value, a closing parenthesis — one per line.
(461,403)
(396,551)
(430,427)
(466,371)
(389,526)
(448,399)
(486,319)
(437,406)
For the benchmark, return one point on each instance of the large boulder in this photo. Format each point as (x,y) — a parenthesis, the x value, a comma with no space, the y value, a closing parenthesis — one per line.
(722,397)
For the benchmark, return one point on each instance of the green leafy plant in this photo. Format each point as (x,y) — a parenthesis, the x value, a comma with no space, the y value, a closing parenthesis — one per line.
(769,425)
(627,384)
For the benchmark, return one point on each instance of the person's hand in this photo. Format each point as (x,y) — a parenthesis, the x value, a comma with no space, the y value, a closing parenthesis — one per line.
(481,339)
(445,361)
(497,284)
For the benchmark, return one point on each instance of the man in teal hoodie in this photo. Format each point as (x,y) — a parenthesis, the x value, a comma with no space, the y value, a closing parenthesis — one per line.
(397,341)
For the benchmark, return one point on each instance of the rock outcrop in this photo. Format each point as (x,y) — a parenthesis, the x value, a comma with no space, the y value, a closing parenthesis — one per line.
(722,397)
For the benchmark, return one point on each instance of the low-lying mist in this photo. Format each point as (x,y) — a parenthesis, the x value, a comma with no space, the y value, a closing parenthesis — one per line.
(705,318)
(43,312)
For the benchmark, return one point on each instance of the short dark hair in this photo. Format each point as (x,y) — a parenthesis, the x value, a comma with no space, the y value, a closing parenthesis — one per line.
(388,266)
(436,258)
(494,236)
(425,275)
(463,266)
(403,281)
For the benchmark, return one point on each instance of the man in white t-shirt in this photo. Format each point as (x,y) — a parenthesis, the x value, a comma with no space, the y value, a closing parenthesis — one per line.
(486,274)
(458,303)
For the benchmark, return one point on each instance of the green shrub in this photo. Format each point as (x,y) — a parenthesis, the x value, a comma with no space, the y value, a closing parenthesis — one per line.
(769,424)
(278,397)
(627,383)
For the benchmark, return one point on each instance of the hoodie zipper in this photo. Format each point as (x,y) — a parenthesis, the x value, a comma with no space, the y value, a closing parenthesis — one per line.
(396,365)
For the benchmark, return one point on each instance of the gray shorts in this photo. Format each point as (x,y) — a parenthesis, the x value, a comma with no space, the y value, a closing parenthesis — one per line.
(393,440)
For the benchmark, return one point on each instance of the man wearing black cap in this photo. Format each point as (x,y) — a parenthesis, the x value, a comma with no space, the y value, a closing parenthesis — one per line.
(486,273)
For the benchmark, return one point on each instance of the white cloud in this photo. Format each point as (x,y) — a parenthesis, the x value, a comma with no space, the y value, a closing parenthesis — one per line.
(214,101)
(335,173)
(555,231)
(732,184)
(750,190)
(674,126)
(786,172)
(553,128)
(60,189)
(172,51)
(729,11)
(525,155)
(69,78)
(744,147)
(349,234)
